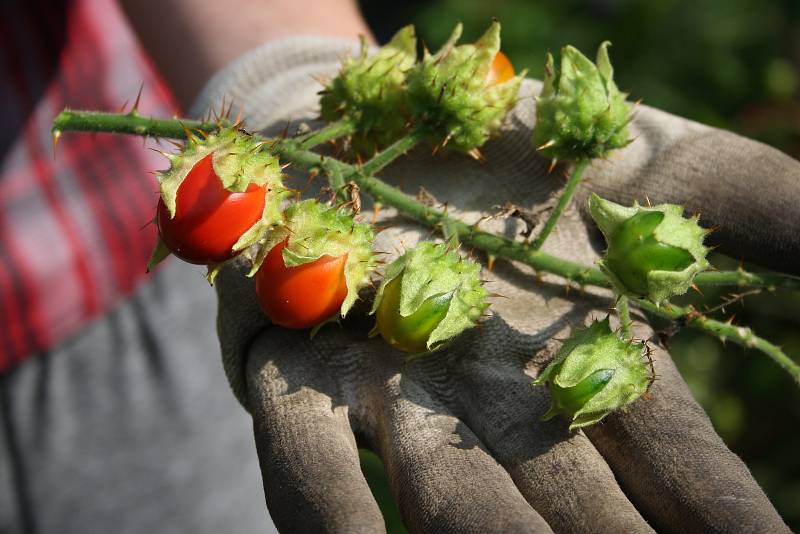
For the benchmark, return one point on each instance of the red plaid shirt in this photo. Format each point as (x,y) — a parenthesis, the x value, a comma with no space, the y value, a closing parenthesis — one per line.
(74,232)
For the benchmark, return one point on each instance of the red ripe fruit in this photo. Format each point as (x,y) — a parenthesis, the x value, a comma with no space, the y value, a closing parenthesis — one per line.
(208,219)
(301,296)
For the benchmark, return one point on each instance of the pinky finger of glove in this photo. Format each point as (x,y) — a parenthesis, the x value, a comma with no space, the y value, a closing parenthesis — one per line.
(676,469)
(306,448)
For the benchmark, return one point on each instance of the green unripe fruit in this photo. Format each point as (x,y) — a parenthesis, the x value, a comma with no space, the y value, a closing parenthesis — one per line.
(653,252)
(428,296)
(450,94)
(409,334)
(580,112)
(570,400)
(633,252)
(594,373)
(370,91)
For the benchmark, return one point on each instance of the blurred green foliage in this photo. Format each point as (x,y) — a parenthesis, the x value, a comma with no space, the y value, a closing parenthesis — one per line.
(734,64)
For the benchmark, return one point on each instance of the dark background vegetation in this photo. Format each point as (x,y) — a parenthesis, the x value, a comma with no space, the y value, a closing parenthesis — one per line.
(734,64)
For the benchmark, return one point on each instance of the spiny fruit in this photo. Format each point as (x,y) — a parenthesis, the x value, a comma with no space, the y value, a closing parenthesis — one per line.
(370,92)
(594,373)
(501,70)
(220,195)
(580,113)
(453,95)
(311,267)
(428,296)
(653,252)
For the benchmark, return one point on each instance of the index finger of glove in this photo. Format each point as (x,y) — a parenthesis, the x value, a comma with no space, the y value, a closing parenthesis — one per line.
(239,320)
(676,469)
(306,448)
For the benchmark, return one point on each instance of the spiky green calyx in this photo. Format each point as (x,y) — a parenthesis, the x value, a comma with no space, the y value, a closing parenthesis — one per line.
(653,252)
(435,272)
(314,230)
(370,92)
(594,373)
(580,113)
(449,95)
(239,160)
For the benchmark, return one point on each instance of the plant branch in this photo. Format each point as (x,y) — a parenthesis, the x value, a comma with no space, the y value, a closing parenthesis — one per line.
(468,234)
(129,123)
(132,123)
(563,202)
(741,335)
(289,150)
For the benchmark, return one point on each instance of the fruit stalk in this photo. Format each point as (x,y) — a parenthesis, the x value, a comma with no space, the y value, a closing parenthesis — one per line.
(383,158)
(563,202)
(624,313)
(329,132)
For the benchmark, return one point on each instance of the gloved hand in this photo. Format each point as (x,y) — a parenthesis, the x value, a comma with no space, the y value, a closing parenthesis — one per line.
(459,430)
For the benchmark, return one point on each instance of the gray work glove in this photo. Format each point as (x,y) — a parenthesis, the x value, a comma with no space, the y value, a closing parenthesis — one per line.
(459,431)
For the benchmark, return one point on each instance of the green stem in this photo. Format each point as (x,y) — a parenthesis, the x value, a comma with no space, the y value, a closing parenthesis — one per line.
(492,244)
(331,131)
(624,316)
(743,278)
(563,202)
(380,160)
(337,183)
(469,235)
(740,335)
(129,123)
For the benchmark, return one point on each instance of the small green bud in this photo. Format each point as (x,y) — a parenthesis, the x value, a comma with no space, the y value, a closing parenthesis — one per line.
(428,296)
(451,94)
(314,230)
(653,252)
(370,91)
(580,113)
(593,374)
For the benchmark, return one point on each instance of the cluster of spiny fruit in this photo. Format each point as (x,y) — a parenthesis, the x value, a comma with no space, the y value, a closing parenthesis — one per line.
(223,198)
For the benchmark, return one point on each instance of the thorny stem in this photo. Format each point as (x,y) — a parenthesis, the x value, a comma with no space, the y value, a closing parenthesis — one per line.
(741,335)
(563,202)
(624,316)
(470,235)
(330,132)
(493,245)
(129,123)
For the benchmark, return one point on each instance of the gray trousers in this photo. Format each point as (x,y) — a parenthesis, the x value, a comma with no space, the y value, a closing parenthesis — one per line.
(130,426)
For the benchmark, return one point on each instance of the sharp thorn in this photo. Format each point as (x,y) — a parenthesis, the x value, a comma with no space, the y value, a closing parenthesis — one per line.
(135,108)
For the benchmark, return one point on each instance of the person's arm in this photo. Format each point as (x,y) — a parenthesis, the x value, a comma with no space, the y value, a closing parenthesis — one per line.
(192,39)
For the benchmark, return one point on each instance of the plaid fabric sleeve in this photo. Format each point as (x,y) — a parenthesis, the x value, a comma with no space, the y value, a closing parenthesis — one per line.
(75,225)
